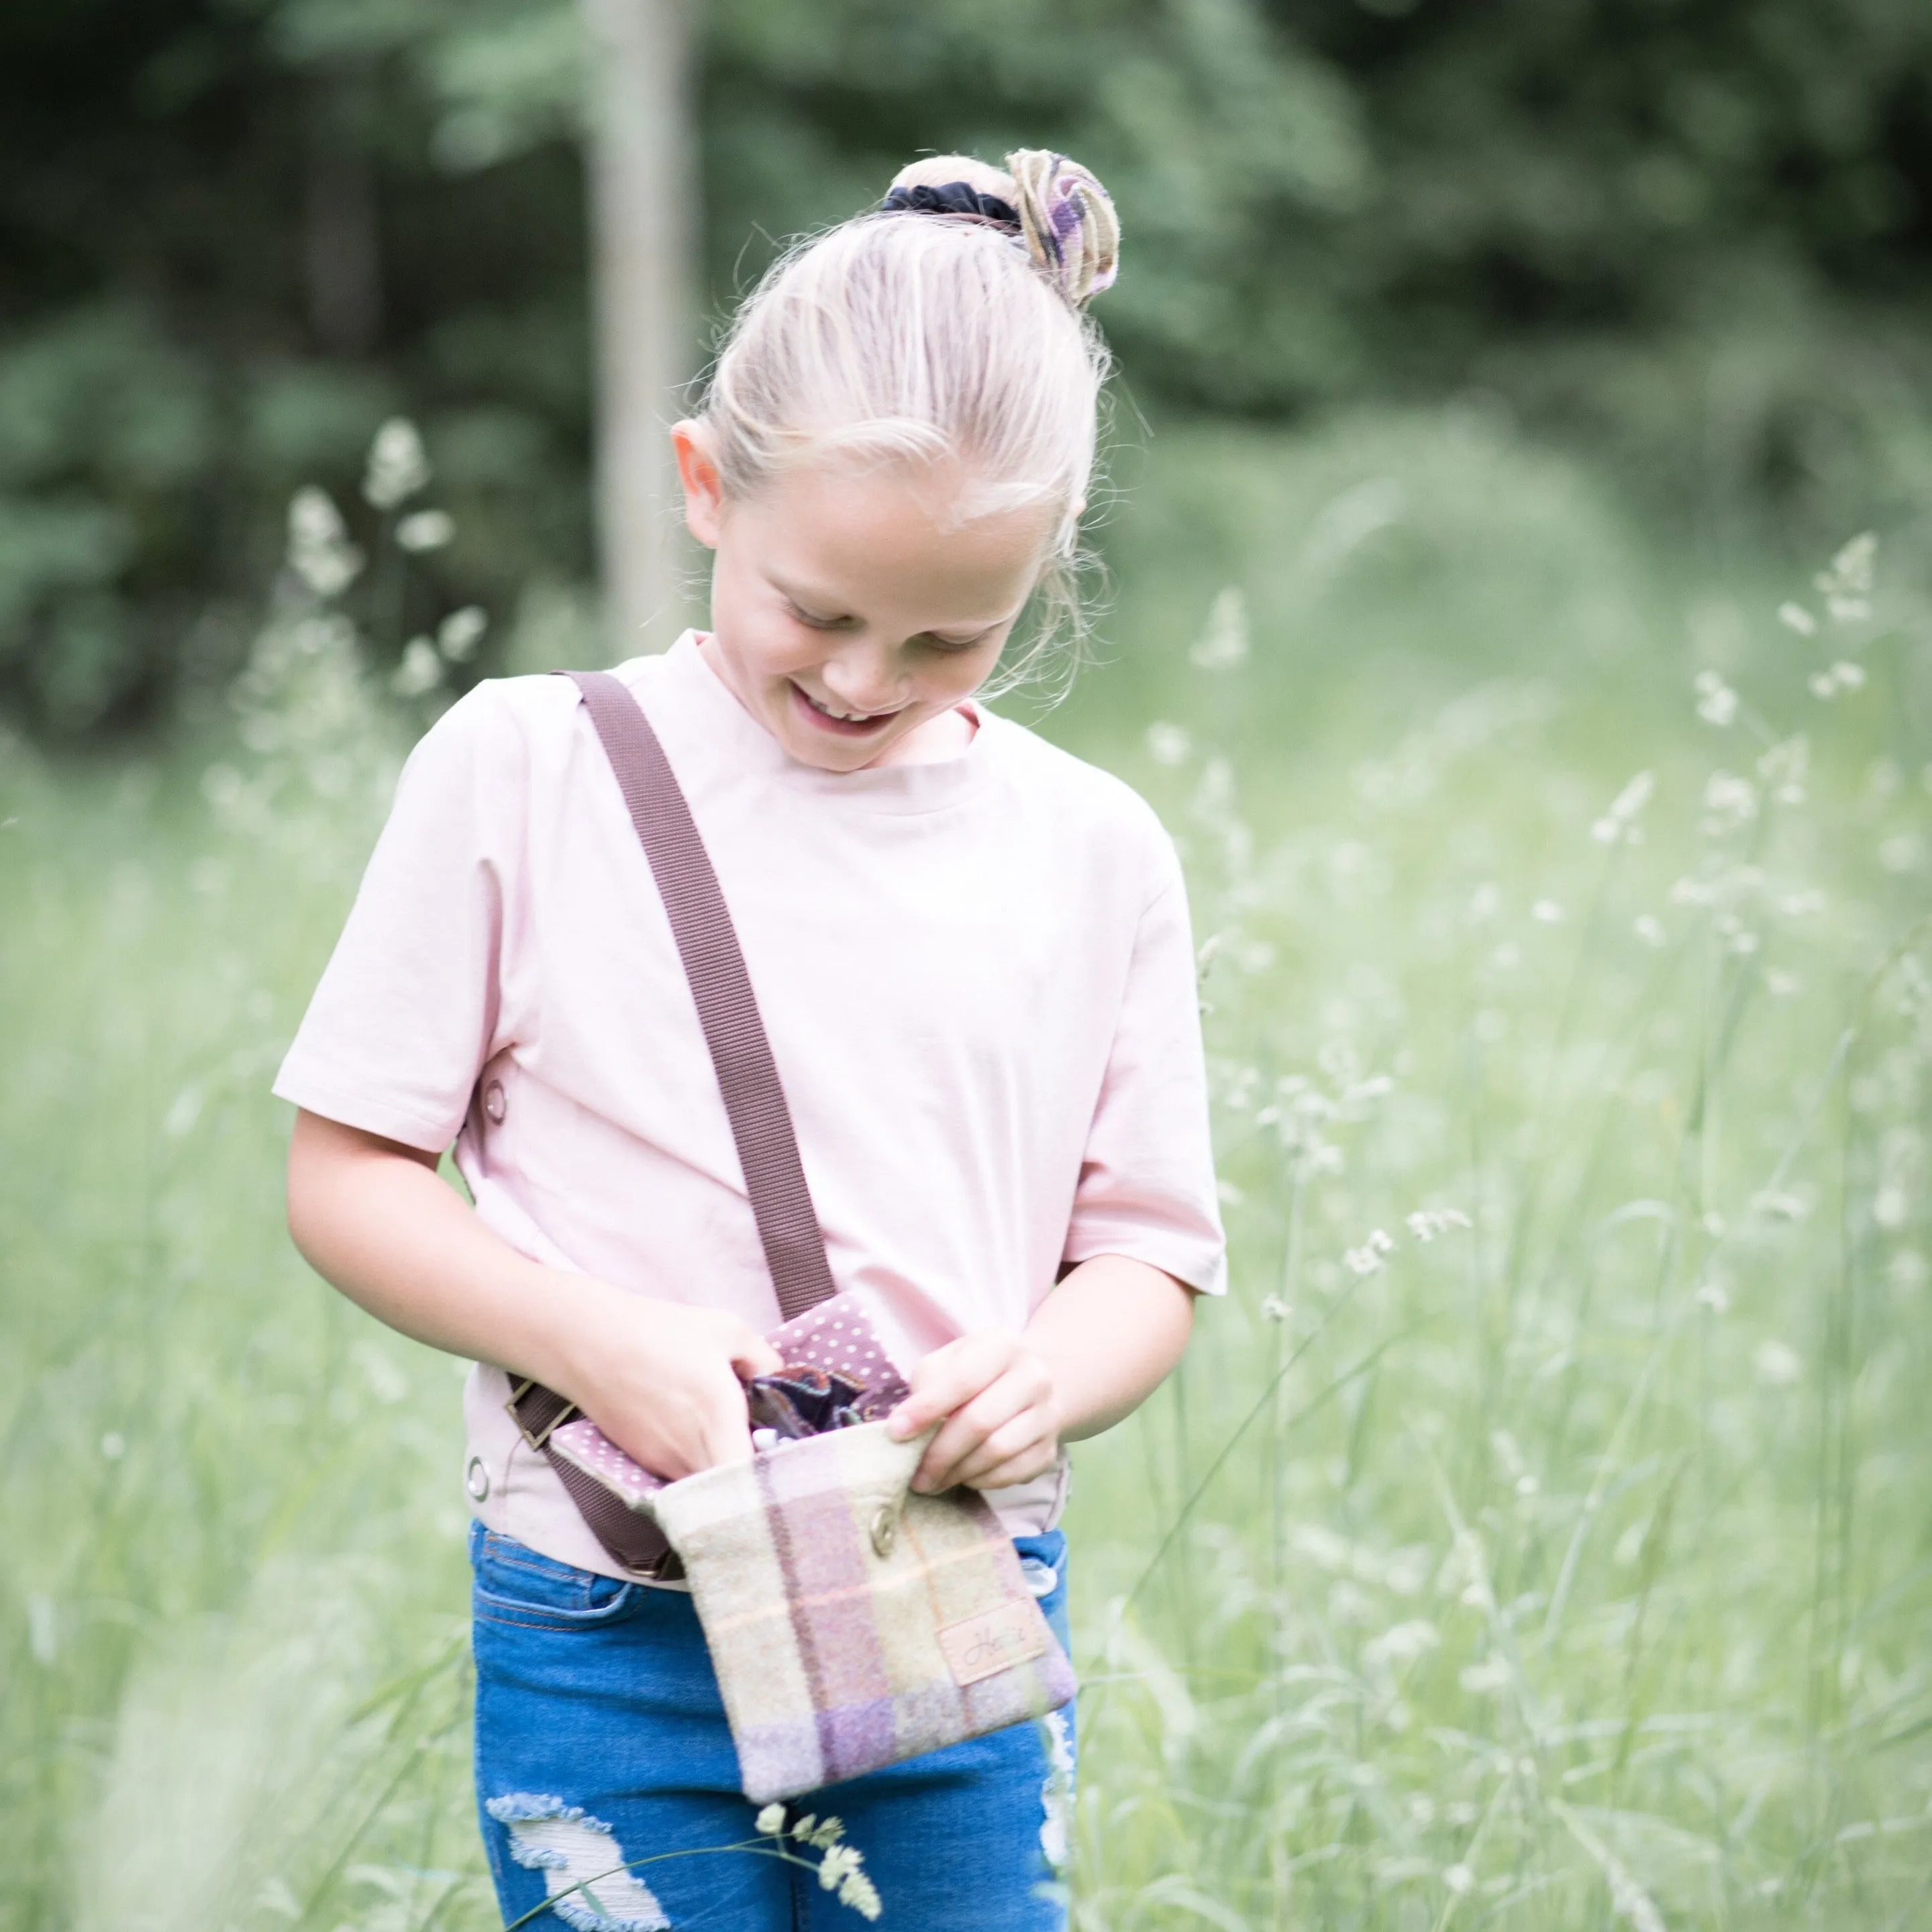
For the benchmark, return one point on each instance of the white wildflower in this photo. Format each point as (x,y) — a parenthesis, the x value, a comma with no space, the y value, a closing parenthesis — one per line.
(1649,928)
(319,551)
(1795,617)
(1714,1295)
(1273,1308)
(1843,675)
(1717,702)
(1401,1643)
(858,1891)
(426,529)
(397,466)
(1426,1223)
(459,634)
(1460,1880)
(771,1821)
(1778,1365)
(1730,803)
(1167,744)
(1781,1207)
(838,1861)
(420,670)
(1546,912)
(1618,822)
(1489,1678)
(1371,1257)
(1223,642)
(1853,571)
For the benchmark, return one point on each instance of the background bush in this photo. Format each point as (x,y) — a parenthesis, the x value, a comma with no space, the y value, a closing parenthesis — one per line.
(1694,238)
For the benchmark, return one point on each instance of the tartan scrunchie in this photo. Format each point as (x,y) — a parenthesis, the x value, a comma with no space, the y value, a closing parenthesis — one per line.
(1065,218)
(1068,220)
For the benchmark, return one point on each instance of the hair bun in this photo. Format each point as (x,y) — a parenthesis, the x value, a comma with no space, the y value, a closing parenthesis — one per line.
(1068,220)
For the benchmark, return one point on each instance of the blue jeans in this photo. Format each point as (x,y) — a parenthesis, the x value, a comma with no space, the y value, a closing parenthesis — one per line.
(601,1741)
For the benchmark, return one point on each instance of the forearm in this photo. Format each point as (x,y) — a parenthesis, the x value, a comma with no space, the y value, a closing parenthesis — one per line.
(373,1218)
(1110,1334)
(661,1379)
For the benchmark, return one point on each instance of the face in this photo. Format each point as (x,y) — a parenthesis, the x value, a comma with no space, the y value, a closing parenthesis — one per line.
(850,606)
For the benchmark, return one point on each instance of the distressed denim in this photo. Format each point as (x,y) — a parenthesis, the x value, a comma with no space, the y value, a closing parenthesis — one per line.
(601,1741)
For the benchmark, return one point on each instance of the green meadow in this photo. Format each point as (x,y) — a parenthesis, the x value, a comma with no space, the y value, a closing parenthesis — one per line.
(1538,1535)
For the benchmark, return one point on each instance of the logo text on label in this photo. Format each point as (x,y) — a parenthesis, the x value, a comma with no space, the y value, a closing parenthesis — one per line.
(978,1646)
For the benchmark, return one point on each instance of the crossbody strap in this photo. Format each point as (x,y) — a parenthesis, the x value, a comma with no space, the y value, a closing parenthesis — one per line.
(748,1078)
(748,1075)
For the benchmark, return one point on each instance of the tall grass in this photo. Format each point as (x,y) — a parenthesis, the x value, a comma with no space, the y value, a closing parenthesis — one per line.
(1567,1568)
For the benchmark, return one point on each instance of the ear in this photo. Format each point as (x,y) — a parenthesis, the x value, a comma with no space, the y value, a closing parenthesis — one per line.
(704,488)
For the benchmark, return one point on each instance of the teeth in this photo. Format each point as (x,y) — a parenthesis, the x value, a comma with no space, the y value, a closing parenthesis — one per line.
(844,717)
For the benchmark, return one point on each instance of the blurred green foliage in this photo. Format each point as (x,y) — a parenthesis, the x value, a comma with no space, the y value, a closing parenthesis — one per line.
(237,234)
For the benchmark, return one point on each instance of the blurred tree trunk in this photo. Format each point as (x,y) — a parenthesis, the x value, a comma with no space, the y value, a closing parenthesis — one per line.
(643,222)
(342,259)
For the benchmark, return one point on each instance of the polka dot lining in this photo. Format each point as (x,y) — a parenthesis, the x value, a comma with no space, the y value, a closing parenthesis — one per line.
(841,1344)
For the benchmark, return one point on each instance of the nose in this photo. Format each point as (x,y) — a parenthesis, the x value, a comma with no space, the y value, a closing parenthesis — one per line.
(863,680)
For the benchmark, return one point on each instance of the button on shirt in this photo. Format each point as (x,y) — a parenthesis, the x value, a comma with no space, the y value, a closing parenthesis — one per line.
(977,975)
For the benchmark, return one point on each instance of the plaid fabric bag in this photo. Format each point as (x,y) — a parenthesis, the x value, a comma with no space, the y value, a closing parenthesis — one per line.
(852,1622)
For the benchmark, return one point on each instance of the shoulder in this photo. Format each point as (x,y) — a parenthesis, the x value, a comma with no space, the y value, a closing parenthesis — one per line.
(512,723)
(1098,817)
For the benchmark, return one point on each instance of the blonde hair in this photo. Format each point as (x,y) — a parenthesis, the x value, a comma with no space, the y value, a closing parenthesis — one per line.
(912,336)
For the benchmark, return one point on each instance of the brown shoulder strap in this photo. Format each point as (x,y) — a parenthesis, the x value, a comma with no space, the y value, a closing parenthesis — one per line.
(701,922)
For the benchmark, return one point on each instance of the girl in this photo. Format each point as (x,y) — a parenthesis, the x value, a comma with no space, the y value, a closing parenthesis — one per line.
(972,956)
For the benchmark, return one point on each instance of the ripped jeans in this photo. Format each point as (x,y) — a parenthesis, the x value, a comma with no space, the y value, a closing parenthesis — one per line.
(602,1742)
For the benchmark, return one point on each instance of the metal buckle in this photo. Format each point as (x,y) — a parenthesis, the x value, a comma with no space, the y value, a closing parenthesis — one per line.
(667,1568)
(536,1441)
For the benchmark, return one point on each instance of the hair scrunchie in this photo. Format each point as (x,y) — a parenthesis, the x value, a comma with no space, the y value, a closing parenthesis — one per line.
(952,198)
(1068,220)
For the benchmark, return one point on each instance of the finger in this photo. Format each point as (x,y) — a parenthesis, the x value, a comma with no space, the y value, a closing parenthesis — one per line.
(967,1429)
(1029,1434)
(945,1379)
(1021,1468)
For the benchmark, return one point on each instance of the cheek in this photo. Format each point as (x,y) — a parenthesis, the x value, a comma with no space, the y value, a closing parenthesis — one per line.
(950,681)
(764,641)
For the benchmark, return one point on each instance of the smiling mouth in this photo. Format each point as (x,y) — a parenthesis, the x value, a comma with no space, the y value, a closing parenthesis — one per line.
(845,724)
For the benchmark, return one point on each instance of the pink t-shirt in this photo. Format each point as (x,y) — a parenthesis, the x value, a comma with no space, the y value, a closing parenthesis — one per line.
(977,975)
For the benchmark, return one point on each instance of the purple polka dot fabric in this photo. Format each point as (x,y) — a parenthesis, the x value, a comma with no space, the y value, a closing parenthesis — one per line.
(835,1337)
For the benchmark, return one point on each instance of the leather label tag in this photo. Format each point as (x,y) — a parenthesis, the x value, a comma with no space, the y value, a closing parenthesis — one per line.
(995,1640)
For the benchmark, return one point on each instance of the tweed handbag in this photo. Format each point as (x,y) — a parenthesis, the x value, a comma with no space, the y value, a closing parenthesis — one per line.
(852,1622)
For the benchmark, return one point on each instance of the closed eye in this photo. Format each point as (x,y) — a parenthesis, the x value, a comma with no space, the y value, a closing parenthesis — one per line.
(933,641)
(812,621)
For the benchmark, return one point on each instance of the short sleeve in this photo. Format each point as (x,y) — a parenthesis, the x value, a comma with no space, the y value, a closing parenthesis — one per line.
(408,1008)
(1147,1187)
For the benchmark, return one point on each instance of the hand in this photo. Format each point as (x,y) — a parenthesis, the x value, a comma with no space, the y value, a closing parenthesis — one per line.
(1001,1416)
(663,1381)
